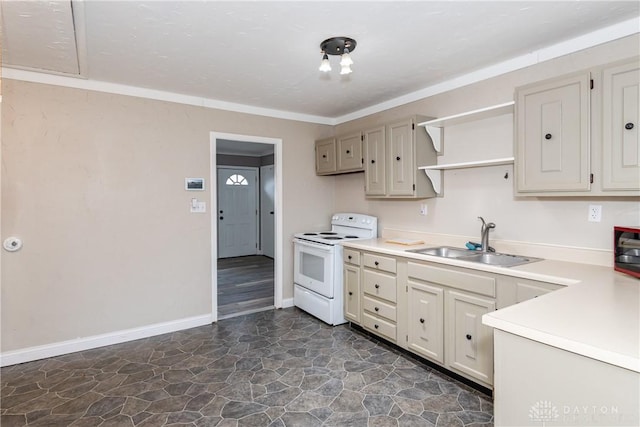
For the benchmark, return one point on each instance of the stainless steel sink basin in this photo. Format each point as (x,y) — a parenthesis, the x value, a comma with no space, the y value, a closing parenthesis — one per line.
(502,260)
(488,258)
(444,252)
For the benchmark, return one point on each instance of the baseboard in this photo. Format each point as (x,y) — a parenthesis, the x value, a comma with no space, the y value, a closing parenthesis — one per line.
(71,346)
(286,303)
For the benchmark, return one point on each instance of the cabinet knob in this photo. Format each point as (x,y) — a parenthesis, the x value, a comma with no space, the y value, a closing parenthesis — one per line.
(350,293)
(348,151)
(376,326)
(376,263)
(547,136)
(376,309)
(376,286)
(421,320)
(469,336)
(372,161)
(628,126)
(349,256)
(398,158)
(324,156)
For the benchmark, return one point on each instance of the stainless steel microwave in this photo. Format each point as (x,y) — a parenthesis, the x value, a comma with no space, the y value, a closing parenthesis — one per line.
(626,250)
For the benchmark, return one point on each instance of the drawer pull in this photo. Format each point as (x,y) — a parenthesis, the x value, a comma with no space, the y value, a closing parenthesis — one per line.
(376,326)
(349,256)
(628,126)
(398,158)
(376,286)
(376,263)
(469,336)
(376,308)
(547,136)
(350,293)
(372,161)
(421,320)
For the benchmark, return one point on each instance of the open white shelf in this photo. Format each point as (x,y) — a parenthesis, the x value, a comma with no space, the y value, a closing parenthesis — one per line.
(434,173)
(435,127)
(465,165)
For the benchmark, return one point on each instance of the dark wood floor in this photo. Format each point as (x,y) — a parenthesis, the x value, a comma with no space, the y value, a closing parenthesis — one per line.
(245,284)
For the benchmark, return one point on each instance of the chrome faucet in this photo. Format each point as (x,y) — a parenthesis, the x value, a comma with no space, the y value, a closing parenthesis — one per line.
(484,235)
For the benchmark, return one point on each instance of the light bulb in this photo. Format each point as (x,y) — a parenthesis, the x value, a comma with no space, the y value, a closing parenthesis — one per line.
(346,69)
(346,59)
(325,66)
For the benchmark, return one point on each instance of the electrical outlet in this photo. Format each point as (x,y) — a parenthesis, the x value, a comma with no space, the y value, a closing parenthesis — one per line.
(595,213)
(423,209)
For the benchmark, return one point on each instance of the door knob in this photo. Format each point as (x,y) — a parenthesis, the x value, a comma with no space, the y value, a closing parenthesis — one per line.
(220,211)
(221,218)
(271,212)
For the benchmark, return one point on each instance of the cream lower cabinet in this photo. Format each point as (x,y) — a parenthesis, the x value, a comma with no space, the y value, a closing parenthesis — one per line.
(469,343)
(379,295)
(426,320)
(351,284)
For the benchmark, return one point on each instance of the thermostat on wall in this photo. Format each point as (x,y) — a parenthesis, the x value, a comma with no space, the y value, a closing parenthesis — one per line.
(194,184)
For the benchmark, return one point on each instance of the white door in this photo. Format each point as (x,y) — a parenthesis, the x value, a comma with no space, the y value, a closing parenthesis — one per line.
(237,212)
(267,223)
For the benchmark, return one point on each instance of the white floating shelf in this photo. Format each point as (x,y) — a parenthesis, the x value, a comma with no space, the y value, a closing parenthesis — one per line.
(435,127)
(469,116)
(435,172)
(465,165)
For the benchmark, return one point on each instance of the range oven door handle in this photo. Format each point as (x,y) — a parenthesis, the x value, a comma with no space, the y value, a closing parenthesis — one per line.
(320,246)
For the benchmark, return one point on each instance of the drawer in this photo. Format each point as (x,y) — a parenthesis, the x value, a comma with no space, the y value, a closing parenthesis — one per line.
(380,285)
(379,308)
(379,262)
(351,257)
(379,326)
(478,283)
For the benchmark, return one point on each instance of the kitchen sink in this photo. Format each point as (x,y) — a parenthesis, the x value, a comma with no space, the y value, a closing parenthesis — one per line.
(444,252)
(488,258)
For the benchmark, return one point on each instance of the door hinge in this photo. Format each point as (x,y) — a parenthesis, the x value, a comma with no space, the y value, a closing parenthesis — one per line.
(591,178)
(362,161)
(407,338)
(406,288)
(414,187)
(413,126)
(591,83)
(361,137)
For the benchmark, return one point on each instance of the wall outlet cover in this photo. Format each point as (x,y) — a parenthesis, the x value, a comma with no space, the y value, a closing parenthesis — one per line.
(595,213)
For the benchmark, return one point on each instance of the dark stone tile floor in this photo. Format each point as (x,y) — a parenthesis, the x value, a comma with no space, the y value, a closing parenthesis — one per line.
(278,368)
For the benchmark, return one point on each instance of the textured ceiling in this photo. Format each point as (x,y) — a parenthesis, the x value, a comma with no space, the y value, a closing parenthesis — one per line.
(266,54)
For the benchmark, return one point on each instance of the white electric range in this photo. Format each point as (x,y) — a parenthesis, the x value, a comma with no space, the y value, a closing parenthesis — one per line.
(318,287)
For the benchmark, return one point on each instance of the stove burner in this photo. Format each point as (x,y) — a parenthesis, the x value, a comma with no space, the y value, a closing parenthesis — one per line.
(350,237)
(328,233)
(310,234)
(333,238)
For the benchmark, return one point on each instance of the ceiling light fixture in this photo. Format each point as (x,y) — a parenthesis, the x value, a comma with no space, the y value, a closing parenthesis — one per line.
(337,46)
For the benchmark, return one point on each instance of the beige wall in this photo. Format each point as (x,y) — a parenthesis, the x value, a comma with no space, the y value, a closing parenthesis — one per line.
(484,191)
(94,185)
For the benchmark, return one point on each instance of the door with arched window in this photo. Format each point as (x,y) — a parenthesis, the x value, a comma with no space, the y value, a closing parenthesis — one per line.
(237,212)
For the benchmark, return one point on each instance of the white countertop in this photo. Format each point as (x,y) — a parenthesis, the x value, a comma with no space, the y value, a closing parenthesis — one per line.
(597,315)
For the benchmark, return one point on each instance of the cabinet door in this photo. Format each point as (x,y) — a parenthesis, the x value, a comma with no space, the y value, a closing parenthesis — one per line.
(400,160)
(552,135)
(326,156)
(621,138)
(469,344)
(374,162)
(426,315)
(352,293)
(349,151)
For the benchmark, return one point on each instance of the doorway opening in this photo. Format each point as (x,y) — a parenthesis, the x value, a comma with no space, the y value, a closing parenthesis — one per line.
(246,248)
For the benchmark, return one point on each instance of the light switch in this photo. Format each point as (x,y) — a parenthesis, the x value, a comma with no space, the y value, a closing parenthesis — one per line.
(198,207)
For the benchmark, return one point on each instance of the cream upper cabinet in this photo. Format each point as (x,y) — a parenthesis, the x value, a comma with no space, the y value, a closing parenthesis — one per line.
(552,147)
(375,179)
(426,320)
(620,135)
(392,158)
(349,152)
(469,343)
(326,156)
(339,155)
